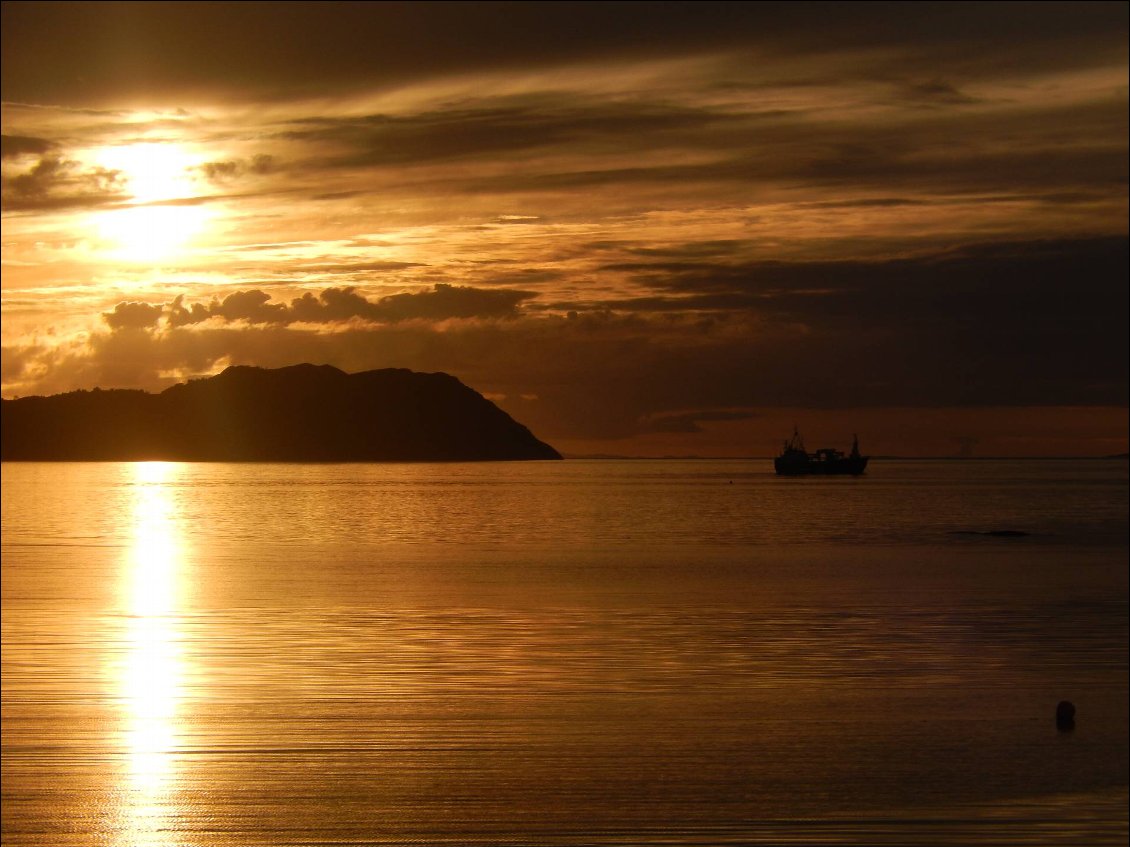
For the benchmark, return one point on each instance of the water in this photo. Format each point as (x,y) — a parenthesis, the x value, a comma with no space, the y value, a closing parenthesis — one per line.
(604,652)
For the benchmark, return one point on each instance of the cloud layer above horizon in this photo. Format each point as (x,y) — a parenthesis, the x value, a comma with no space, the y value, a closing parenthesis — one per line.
(628,228)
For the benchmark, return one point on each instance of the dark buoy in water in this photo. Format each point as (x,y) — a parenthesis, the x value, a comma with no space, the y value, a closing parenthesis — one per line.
(1065,716)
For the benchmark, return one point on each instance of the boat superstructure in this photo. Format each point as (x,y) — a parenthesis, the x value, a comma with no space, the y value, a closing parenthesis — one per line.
(795,460)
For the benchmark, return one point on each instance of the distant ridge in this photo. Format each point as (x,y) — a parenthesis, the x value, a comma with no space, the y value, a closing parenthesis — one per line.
(302,413)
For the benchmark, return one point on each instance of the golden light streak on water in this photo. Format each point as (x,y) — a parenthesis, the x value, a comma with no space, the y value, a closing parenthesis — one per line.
(151,677)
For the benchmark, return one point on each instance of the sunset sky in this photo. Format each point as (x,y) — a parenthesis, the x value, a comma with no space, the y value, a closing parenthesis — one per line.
(641,229)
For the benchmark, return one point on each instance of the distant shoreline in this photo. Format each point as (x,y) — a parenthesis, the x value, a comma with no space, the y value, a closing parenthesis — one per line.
(301,413)
(615,457)
(597,458)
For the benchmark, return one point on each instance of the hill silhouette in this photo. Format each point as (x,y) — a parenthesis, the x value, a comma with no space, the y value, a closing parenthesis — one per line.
(303,413)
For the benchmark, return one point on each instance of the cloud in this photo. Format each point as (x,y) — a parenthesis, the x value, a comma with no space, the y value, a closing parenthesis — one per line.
(251,306)
(23,145)
(1025,319)
(737,207)
(935,92)
(452,301)
(1002,284)
(57,183)
(133,315)
(1004,325)
(504,126)
(928,158)
(17,359)
(58,53)
(355,267)
(41,178)
(231,169)
(338,305)
(690,250)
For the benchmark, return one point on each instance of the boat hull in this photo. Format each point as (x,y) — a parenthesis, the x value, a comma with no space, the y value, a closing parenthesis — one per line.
(848,466)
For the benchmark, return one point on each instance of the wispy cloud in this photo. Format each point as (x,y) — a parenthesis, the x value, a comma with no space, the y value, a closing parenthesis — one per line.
(12,146)
(54,183)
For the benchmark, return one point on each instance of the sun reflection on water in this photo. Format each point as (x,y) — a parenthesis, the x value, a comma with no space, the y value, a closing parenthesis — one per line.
(151,677)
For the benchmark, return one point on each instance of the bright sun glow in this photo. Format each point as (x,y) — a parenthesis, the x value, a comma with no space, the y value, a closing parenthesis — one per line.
(152,173)
(151,233)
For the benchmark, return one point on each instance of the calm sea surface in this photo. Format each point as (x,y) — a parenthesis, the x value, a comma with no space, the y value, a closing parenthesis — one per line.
(579,652)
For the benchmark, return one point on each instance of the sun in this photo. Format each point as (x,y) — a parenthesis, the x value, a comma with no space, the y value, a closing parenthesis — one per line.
(164,214)
(152,172)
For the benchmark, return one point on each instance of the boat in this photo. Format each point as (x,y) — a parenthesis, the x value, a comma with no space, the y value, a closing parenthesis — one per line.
(795,460)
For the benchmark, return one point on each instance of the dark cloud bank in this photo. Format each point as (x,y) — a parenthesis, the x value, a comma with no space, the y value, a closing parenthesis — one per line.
(332,305)
(1036,323)
(52,181)
(59,52)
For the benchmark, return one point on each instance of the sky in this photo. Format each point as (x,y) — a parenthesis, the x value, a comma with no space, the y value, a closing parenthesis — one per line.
(641,228)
